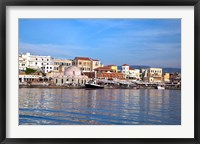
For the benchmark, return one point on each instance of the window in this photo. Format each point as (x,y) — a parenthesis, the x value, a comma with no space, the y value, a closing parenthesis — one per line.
(35,63)
(36,59)
(50,67)
(62,81)
(47,63)
(47,67)
(42,63)
(80,63)
(47,59)
(42,59)
(73,72)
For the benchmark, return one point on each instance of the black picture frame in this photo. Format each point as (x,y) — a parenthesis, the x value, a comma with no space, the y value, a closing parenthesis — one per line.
(5,3)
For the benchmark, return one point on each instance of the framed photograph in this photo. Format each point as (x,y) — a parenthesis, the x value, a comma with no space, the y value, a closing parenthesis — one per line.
(99,71)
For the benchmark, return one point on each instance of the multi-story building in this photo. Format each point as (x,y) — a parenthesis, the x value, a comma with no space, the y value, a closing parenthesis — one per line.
(175,78)
(23,62)
(107,72)
(86,64)
(153,75)
(130,73)
(35,62)
(23,77)
(70,76)
(134,73)
(166,77)
(113,68)
(57,63)
(125,70)
(95,64)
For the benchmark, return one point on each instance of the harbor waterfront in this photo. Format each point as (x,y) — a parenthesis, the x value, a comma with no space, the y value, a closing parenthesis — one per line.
(43,106)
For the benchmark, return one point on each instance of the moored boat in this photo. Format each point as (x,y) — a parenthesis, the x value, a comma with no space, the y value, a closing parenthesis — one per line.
(92,84)
(87,85)
(160,87)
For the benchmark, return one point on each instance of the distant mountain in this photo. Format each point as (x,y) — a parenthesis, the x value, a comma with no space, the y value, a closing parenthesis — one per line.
(135,67)
(171,70)
(168,70)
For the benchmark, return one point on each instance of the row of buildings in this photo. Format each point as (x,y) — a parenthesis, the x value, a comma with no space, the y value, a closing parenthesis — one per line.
(82,69)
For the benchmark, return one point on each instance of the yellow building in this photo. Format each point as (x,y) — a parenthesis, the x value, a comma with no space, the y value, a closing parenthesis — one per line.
(153,75)
(114,68)
(86,64)
(59,62)
(166,77)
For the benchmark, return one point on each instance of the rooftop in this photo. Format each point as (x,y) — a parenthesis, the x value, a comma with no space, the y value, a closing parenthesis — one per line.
(82,58)
(125,65)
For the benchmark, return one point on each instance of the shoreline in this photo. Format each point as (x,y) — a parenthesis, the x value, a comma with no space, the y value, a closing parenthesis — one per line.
(83,87)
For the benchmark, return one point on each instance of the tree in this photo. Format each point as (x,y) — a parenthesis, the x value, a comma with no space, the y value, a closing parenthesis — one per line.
(29,71)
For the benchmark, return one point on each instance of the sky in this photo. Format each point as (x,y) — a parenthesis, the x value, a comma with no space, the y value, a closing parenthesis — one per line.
(149,42)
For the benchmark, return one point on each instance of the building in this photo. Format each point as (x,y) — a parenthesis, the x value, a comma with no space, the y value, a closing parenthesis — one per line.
(34,62)
(86,64)
(166,77)
(23,77)
(113,68)
(134,73)
(175,78)
(153,75)
(125,70)
(95,64)
(107,72)
(47,68)
(71,76)
(59,62)
(23,62)
(110,75)
(130,73)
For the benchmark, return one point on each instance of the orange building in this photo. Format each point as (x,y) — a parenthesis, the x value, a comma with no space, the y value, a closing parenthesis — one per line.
(107,72)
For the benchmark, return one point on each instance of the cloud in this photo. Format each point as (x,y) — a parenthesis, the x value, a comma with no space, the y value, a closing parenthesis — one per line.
(48,49)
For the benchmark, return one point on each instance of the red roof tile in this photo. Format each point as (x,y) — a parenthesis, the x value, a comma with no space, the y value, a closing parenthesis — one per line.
(130,68)
(82,58)
(125,65)
(103,68)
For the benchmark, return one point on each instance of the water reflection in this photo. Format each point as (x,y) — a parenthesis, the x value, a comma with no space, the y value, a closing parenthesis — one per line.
(99,107)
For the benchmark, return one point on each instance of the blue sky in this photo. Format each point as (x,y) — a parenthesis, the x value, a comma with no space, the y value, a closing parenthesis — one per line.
(152,42)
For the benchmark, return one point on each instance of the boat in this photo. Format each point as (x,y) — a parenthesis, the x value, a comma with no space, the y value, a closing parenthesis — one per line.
(160,87)
(92,84)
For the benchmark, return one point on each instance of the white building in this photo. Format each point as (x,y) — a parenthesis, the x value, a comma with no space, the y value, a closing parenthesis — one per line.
(23,61)
(30,78)
(130,73)
(43,63)
(134,74)
(153,75)
(48,68)
(125,70)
